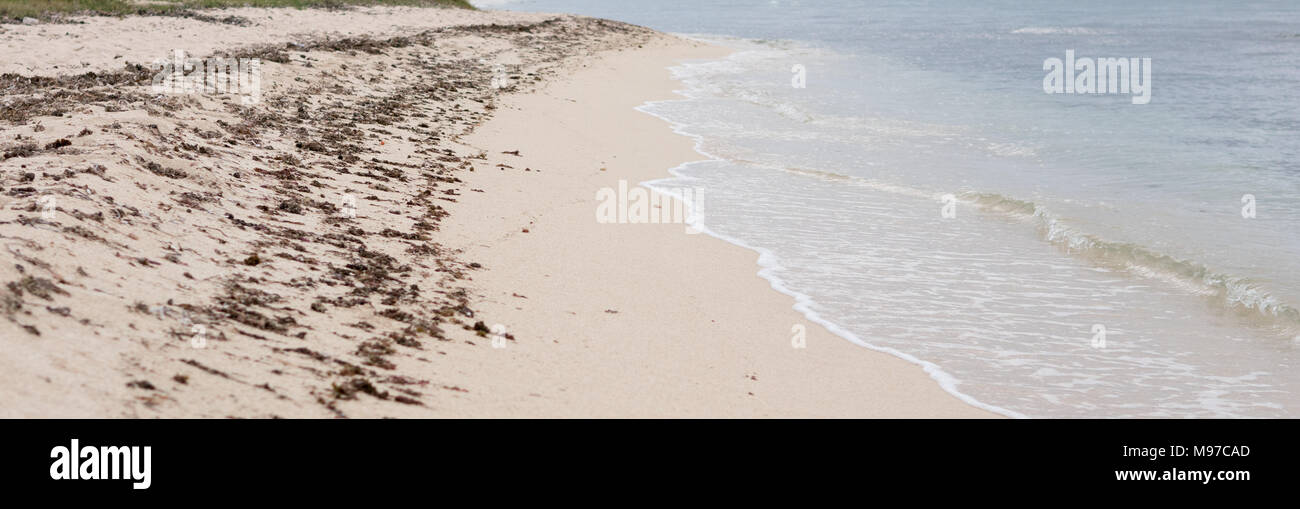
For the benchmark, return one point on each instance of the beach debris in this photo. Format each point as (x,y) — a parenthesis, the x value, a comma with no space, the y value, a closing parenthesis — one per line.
(37,286)
(243,184)
(350,388)
(141,384)
(158,169)
(206,369)
(21,150)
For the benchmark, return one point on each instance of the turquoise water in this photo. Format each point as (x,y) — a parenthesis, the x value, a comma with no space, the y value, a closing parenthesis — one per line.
(1073,213)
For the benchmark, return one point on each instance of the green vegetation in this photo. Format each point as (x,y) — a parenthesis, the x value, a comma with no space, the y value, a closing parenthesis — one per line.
(11,10)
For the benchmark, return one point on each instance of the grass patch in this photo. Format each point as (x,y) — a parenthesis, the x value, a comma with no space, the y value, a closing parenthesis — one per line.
(15,10)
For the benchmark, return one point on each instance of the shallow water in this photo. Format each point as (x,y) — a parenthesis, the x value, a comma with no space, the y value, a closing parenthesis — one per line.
(1074,214)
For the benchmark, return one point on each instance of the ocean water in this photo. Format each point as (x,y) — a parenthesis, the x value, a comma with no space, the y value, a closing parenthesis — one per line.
(1075,217)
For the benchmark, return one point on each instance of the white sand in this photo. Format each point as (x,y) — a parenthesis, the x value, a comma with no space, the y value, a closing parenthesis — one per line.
(106,43)
(616,320)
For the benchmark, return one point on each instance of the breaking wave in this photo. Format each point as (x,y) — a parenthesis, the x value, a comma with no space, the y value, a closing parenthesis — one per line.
(1057,31)
(1238,294)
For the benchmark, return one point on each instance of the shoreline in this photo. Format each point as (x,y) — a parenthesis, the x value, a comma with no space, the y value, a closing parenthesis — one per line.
(768,378)
(766,268)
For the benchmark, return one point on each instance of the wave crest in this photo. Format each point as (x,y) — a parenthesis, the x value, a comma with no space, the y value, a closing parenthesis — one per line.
(1057,31)
(1249,299)
(1234,293)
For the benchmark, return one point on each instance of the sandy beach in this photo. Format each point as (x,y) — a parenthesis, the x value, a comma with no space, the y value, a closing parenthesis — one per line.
(405,225)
